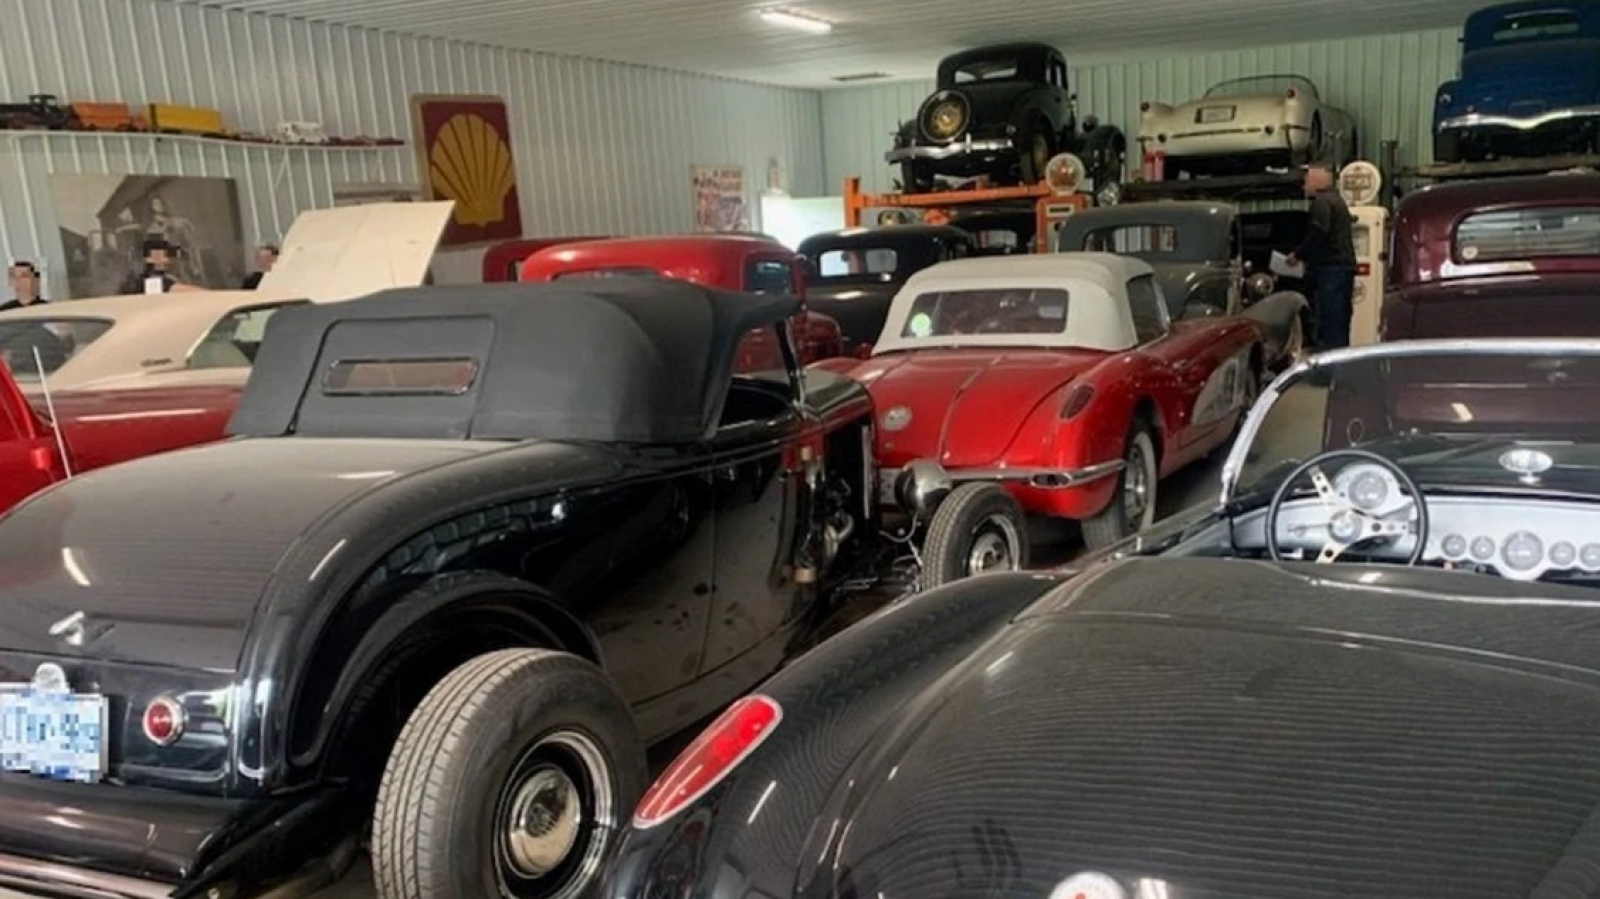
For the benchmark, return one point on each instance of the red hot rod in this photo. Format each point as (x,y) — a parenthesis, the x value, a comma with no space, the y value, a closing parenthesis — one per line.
(1060,385)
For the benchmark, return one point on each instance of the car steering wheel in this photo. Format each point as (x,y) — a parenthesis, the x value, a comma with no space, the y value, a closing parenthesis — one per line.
(1347,525)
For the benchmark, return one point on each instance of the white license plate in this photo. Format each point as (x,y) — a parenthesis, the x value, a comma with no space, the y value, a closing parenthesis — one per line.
(1210,115)
(60,736)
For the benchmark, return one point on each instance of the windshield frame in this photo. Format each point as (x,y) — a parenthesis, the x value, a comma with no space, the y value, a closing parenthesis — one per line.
(1250,430)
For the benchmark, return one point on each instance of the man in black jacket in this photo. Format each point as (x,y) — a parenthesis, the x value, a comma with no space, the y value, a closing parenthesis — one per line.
(1329,253)
(266,257)
(156,276)
(24,286)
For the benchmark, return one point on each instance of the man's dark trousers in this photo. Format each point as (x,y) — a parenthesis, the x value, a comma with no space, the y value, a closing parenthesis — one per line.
(1333,295)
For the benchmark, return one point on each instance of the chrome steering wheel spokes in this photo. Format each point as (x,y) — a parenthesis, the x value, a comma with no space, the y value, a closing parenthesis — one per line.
(1348,526)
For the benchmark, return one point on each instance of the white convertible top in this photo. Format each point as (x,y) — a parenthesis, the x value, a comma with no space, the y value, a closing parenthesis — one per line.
(1098,316)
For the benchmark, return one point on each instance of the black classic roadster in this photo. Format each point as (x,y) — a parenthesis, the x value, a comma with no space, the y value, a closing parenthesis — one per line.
(457,569)
(1372,669)
(1003,112)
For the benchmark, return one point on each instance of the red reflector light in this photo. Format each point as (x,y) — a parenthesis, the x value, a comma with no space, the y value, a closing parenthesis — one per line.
(163,721)
(1076,400)
(704,763)
(1291,93)
(1145,106)
(1364,269)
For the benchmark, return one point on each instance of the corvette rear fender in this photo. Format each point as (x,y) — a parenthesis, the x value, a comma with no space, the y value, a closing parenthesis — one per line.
(834,699)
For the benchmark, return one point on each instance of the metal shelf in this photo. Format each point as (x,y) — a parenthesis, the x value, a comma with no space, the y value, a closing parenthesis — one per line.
(157,137)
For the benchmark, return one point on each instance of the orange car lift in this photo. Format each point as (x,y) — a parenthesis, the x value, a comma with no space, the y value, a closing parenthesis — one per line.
(1051,207)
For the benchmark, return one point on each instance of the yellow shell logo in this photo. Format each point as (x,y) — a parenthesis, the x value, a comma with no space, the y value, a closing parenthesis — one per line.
(471,164)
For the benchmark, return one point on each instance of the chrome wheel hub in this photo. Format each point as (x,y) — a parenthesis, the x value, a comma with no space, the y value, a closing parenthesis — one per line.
(1135,487)
(545,821)
(994,547)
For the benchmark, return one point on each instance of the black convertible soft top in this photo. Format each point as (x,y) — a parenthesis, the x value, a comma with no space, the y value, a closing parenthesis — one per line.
(640,360)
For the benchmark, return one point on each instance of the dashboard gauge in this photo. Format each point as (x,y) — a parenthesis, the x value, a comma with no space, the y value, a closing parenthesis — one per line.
(1590,556)
(1563,554)
(1482,549)
(1367,487)
(1454,546)
(1522,551)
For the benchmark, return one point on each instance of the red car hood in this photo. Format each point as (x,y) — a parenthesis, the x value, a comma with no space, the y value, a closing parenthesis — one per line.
(966,406)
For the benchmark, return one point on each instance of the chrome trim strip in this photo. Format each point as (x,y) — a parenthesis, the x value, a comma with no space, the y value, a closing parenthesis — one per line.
(1043,478)
(1521,123)
(957,148)
(55,881)
(1402,349)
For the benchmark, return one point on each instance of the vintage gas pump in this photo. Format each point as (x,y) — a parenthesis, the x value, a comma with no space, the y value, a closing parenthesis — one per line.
(1361,183)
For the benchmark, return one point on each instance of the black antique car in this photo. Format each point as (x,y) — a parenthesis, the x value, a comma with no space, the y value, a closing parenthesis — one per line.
(1003,111)
(1197,250)
(454,573)
(852,274)
(1317,688)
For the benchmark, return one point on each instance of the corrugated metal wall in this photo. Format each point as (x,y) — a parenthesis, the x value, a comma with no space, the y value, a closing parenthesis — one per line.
(1386,82)
(600,147)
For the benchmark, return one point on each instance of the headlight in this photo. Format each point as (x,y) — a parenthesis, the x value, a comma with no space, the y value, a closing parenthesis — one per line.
(1259,285)
(945,116)
(1064,173)
(921,486)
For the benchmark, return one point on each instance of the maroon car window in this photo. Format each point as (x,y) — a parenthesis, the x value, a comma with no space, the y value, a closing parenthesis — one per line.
(1534,233)
(951,313)
(855,263)
(1530,25)
(400,377)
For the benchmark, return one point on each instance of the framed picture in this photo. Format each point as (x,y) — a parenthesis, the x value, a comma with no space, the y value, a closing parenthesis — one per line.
(718,197)
(464,154)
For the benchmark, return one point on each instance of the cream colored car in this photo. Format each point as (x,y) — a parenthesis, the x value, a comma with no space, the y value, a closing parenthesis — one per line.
(1246,126)
(191,337)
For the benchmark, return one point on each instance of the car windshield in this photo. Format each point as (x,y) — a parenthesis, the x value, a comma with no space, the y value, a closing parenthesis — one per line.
(1261,86)
(1532,25)
(994,69)
(28,344)
(1447,412)
(232,342)
(996,311)
(860,263)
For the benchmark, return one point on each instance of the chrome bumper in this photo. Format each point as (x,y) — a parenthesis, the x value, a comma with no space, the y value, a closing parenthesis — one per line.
(32,877)
(961,147)
(1041,478)
(1520,123)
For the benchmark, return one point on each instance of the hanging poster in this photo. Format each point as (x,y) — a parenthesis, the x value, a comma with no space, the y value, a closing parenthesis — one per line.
(104,221)
(719,203)
(464,154)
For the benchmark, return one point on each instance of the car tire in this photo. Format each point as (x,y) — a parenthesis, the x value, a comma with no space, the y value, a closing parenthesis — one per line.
(978,529)
(915,177)
(1037,140)
(508,736)
(1139,476)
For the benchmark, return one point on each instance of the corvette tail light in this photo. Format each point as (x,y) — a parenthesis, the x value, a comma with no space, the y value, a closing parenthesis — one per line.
(1291,93)
(1145,106)
(719,749)
(1076,400)
(163,721)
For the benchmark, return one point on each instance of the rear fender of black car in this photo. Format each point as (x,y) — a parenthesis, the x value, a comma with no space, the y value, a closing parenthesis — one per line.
(1276,314)
(749,827)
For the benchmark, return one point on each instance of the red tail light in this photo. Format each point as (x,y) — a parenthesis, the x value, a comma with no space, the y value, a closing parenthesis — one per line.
(717,751)
(1145,106)
(1076,400)
(1291,93)
(163,721)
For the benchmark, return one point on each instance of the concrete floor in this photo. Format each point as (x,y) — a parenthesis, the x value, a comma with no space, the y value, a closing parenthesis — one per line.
(1196,484)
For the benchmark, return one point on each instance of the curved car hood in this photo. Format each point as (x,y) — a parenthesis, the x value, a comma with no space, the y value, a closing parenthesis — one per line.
(1176,728)
(965,406)
(167,556)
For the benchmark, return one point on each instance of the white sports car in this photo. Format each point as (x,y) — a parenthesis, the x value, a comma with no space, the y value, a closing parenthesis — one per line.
(1246,126)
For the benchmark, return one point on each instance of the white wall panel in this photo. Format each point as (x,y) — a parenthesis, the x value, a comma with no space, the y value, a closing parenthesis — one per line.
(600,147)
(1386,82)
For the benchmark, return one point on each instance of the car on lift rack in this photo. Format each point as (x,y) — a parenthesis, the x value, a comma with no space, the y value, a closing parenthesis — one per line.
(1197,250)
(1497,257)
(1003,112)
(747,263)
(851,275)
(1243,701)
(1056,385)
(1529,84)
(1247,126)
(453,574)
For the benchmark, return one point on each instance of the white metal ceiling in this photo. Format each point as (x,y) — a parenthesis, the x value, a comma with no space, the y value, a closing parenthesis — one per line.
(901,38)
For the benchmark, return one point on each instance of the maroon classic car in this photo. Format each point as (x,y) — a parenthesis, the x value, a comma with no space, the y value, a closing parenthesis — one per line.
(1502,257)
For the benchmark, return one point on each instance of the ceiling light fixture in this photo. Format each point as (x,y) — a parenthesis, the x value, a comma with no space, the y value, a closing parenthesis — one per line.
(797,21)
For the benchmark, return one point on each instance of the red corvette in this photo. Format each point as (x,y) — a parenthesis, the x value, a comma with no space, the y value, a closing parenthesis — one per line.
(747,263)
(1059,385)
(99,428)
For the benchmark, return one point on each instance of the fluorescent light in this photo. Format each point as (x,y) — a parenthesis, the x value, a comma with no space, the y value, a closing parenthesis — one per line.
(797,21)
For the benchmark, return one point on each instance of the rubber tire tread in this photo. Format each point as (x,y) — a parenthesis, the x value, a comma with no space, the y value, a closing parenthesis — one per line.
(1111,526)
(409,862)
(954,520)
